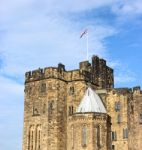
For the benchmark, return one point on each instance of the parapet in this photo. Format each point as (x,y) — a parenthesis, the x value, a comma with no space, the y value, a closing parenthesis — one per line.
(85,65)
(137,90)
(97,73)
(57,73)
(122,91)
(88,116)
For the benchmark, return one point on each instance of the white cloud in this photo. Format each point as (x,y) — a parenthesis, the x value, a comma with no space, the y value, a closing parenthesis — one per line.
(114,63)
(46,40)
(9,87)
(122,73)
(41,33)
(11,113)
(129,9)
(124,77)
(37,34)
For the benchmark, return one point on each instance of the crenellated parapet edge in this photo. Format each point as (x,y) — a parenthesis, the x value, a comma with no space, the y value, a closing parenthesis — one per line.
(56,73)
(97,73)
(123,91)
(89,116)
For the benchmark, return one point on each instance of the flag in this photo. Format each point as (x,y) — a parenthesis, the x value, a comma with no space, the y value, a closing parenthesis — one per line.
(83,33)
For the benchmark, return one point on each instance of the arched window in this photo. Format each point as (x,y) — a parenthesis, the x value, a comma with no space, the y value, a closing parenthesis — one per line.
(125,133)
(29,139)
(71,90)
(44,108)
(84,136)
(72,136)
(38,137)
(50,107)
(140,118)
(99,136)
(119,118)
(117,106)
(34,137)
(70,110)
(32,140)
(43,88)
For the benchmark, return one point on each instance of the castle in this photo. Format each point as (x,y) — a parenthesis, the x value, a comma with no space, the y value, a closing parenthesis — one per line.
(80,110)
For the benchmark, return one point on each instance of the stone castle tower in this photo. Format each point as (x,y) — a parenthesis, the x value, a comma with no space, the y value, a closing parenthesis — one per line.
(80,110)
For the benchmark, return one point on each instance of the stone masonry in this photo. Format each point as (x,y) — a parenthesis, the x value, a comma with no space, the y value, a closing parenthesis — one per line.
(52,96)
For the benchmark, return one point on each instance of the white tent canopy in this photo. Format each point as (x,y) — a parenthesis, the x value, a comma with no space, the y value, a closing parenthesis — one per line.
(91,102)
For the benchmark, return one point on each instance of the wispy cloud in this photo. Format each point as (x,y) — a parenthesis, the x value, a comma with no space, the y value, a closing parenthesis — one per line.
(57,38)
(125,77)
(11,113)
(43,33)
(38,34)
(128,7)
(122,73)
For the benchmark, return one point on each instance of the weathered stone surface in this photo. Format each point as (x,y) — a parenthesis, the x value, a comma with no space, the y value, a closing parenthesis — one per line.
(94,123)
(52,96)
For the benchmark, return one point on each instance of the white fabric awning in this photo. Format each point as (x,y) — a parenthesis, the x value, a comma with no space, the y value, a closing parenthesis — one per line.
(91,102)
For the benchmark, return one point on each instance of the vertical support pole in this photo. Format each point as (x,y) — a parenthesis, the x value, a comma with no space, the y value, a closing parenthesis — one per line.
(87,46)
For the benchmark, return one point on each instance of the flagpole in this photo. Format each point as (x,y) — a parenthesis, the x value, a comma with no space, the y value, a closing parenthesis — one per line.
(87,46)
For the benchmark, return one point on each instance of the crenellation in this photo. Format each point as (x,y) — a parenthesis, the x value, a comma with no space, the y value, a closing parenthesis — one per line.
(136,90)
(85,65)
(52,99)
(101,75)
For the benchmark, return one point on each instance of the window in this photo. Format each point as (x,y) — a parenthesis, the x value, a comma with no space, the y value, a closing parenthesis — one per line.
(70,110)
(43,88)
(50,107)
(114,136)
(39,134)
(119,118)
(71,90)
(117,106)
(113,147)
(36,109)
(38,137)
(28,90)
(140,107)
(84,136)
(125,133)
(44,108)
(140,118)
(29,140)
(99,136)
(72,137)
(31,137)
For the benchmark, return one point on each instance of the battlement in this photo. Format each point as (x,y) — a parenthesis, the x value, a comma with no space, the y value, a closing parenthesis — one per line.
(97,73)
(56,73)
(88,116)
(122,91)
(137,90)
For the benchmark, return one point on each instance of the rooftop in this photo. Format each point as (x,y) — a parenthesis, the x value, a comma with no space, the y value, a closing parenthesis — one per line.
(91,102)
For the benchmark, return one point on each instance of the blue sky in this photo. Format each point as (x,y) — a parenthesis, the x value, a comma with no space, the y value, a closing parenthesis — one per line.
(43,33)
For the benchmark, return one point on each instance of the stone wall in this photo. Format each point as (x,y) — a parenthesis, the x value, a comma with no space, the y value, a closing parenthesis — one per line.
(89,131)
(45,106)
(97,73)
(135,117)
(116,102)
(52,95)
